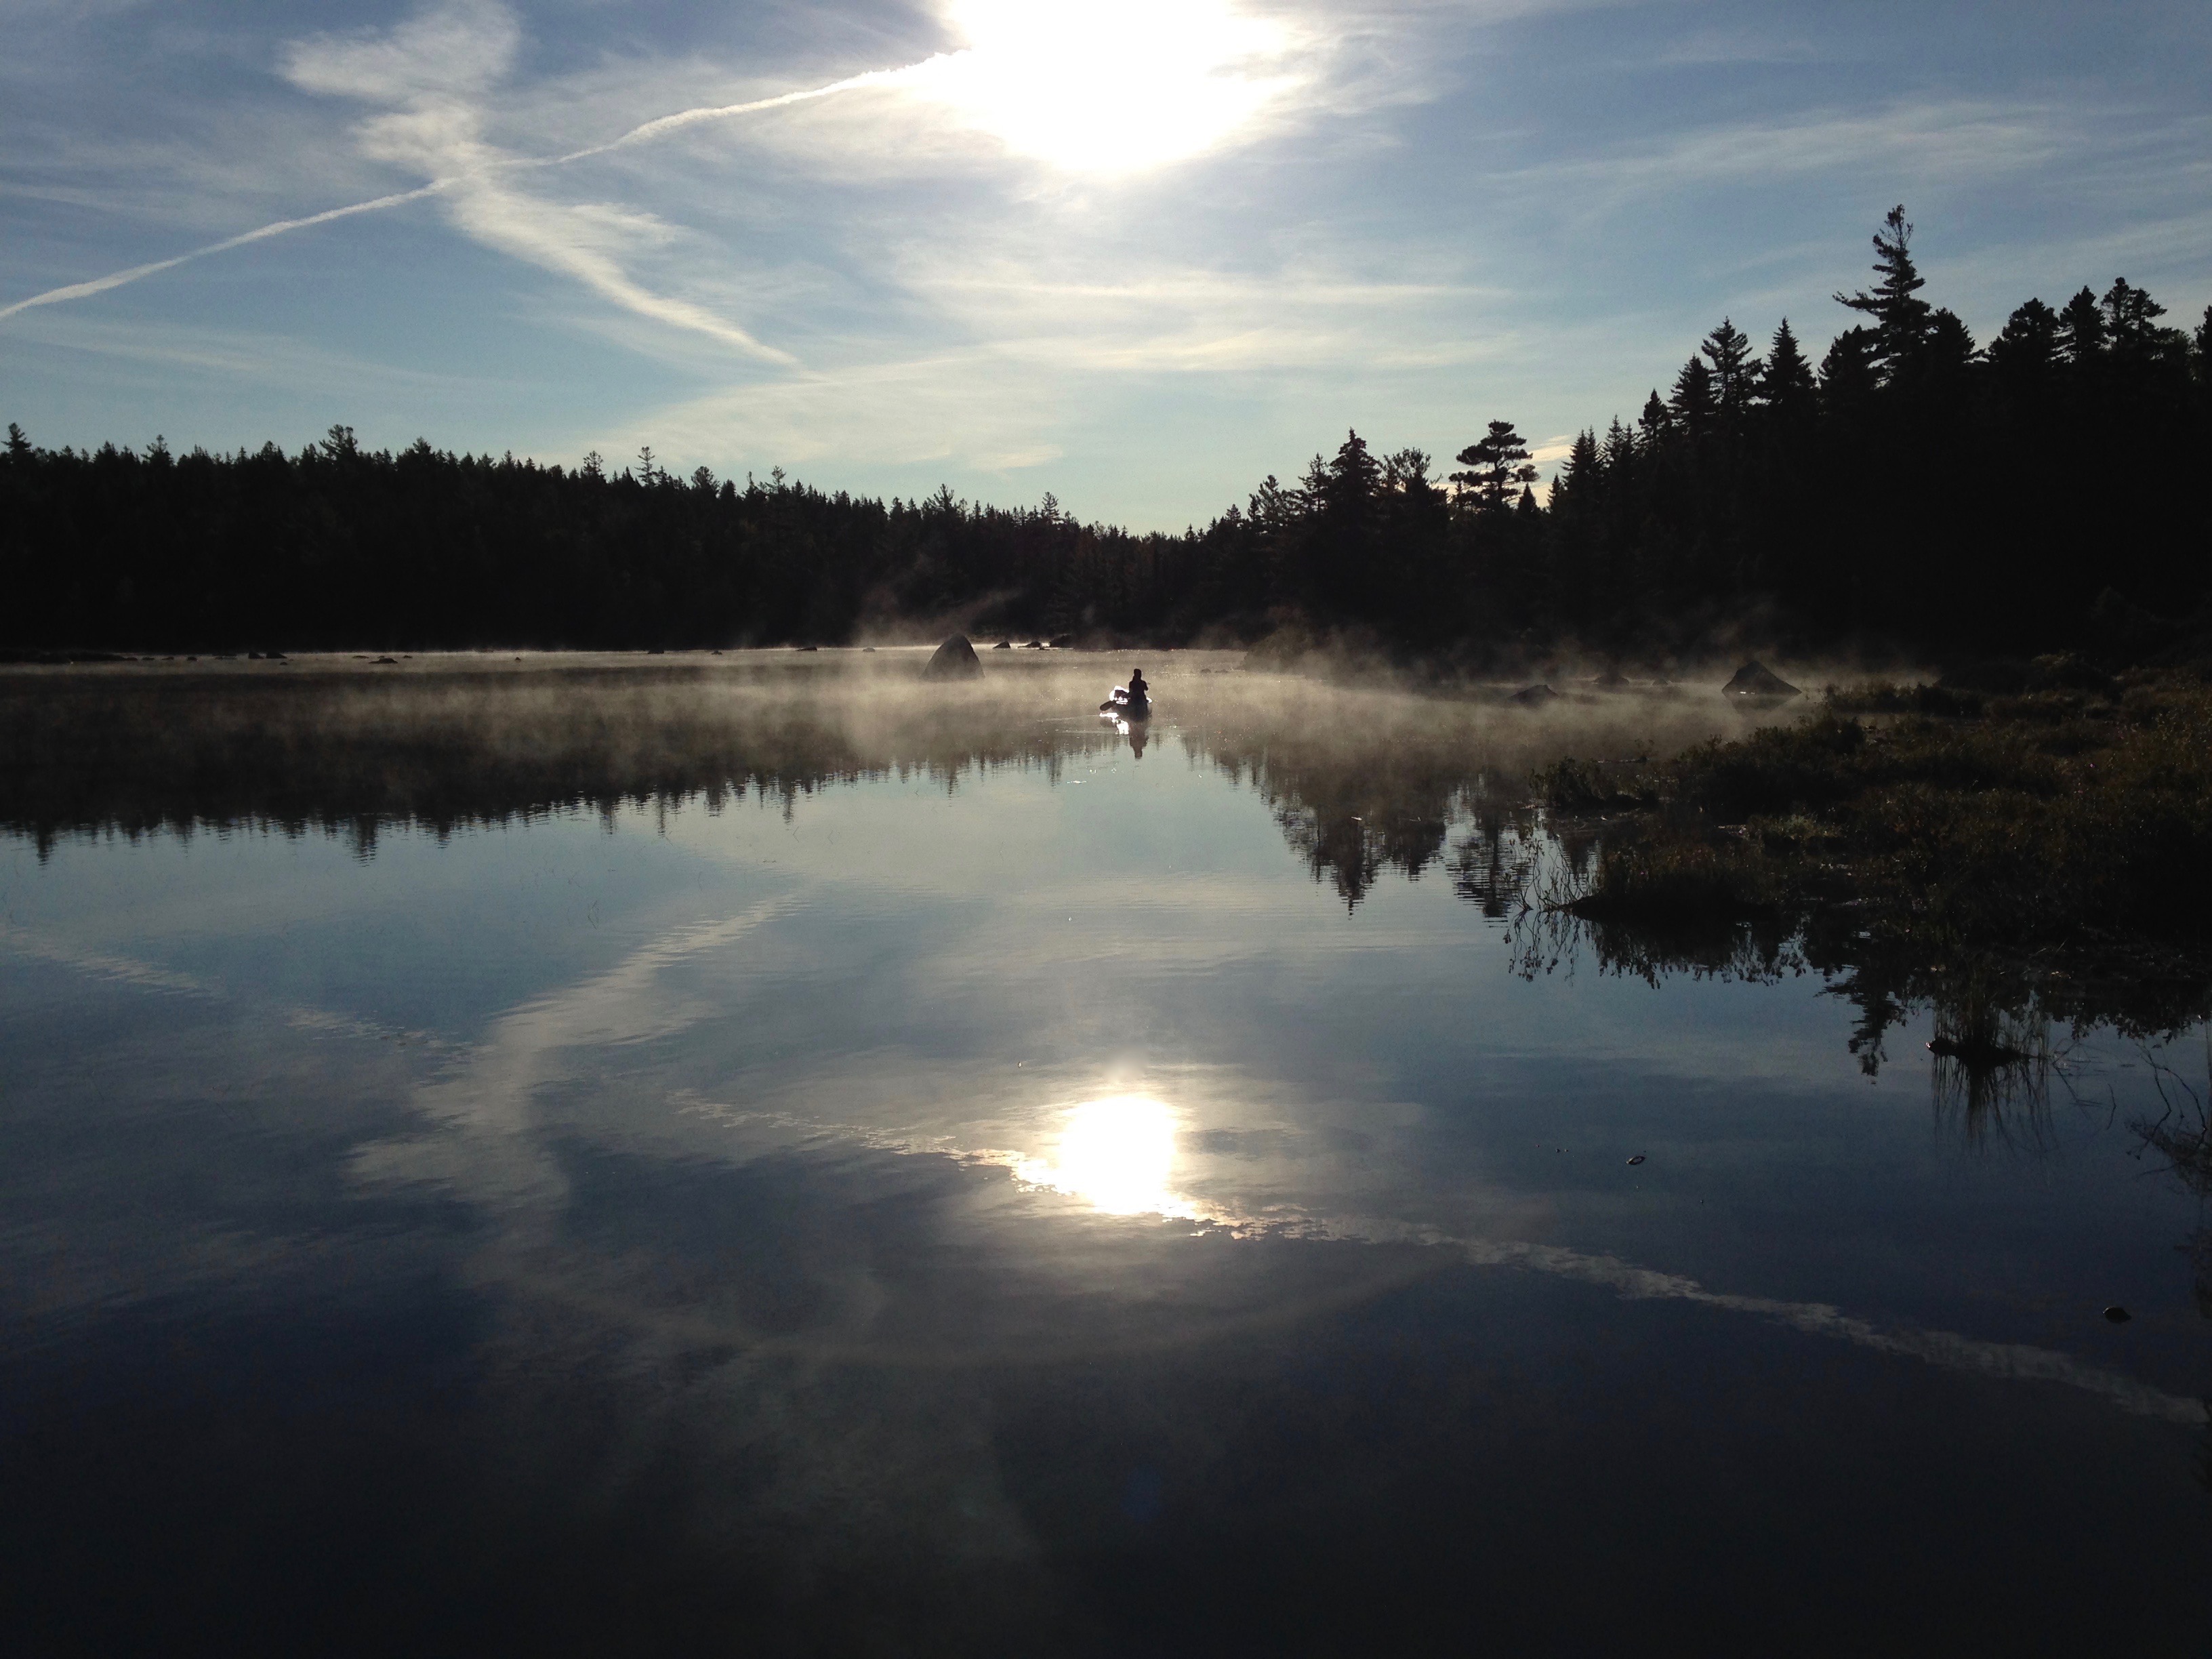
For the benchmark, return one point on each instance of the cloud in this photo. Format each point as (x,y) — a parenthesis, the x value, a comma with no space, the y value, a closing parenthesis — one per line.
(975,408)
(1953,138)
(464,46)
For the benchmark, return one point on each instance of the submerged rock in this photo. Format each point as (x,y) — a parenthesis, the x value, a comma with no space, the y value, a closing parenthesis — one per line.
(955,659)
(1757,680)
(1531,696)
(2117,1314)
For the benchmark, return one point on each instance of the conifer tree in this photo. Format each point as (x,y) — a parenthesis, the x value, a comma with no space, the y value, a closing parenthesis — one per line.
(1494,465)
(1785,383)
(1580,474)
(1693,403)
(2026,347)
(1901,316)
(1950,351)
(1735,372)
(1850,373)
(2081,333)
(2131,318)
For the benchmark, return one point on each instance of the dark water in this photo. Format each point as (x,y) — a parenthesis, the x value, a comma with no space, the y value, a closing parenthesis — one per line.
(768,1165)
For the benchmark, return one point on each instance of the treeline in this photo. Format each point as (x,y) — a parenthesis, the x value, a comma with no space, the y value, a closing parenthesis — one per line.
(338,546)
(2044,491)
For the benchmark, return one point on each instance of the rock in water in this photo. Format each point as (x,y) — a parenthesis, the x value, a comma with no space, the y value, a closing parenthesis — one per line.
(1530,696)
(2117,1314)
(955,659)
(1756,679)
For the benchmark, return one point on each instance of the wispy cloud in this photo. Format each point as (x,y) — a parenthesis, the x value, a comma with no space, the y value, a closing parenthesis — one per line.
(1951,137)
(1086,86)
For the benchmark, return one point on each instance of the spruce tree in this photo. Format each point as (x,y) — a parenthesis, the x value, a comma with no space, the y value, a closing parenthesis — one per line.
(1850,373)
(1735,372)
(2081,331)
(2026,347)
(1786,384)
(1693,403)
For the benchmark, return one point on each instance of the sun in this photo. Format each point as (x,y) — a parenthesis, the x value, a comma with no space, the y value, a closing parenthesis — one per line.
(1110,85)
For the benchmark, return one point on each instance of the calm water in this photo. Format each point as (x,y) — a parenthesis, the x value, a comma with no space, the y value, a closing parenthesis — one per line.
(776,1164)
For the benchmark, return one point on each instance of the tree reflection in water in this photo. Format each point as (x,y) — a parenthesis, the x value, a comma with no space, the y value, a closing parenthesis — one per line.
(1361,784)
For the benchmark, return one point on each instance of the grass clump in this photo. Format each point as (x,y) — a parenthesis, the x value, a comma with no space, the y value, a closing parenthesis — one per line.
(2062,820)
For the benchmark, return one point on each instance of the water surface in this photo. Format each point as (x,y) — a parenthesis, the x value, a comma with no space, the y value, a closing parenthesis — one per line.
(765,1155)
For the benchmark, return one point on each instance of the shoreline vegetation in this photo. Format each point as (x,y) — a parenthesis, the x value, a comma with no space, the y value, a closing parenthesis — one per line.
(1783,500)
(2034,848)
(2020,834)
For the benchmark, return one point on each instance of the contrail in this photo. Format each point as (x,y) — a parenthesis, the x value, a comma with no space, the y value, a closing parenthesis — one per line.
(652,129)
(117,279)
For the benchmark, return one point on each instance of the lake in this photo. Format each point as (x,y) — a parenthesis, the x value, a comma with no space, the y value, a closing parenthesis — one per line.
(765,1154)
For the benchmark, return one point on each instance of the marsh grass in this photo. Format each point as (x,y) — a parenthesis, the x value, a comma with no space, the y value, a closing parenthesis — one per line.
(2074,825)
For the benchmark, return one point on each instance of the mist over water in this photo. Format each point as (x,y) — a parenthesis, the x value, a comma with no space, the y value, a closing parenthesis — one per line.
(764,1152)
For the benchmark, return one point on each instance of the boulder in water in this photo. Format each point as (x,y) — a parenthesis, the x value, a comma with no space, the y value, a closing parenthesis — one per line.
(955,659)
(1756,681)
(1533,696)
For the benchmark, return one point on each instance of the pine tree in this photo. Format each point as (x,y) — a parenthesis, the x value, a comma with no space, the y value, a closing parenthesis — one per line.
(1901,316)
(2131,318)
(1494,465)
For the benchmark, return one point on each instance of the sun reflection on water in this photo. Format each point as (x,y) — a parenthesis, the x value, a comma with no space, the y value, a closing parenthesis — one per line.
(1117,1154)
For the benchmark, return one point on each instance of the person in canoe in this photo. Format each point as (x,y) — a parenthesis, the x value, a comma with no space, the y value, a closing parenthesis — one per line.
(1133,700)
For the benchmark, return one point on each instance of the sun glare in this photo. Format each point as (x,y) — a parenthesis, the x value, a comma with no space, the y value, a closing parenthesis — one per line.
(1109,86)
(1117,1154)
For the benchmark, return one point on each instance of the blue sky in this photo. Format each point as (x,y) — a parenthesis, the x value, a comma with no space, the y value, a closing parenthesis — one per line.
(1136,252)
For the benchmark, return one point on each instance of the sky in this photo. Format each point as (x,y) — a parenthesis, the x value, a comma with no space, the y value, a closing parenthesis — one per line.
(1137,253)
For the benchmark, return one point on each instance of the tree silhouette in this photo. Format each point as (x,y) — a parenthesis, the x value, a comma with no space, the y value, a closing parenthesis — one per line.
(1495,466)
(1900,315)
(1903,494)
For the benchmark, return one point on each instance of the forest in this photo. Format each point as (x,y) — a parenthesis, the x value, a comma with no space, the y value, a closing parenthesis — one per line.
(1912,488)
